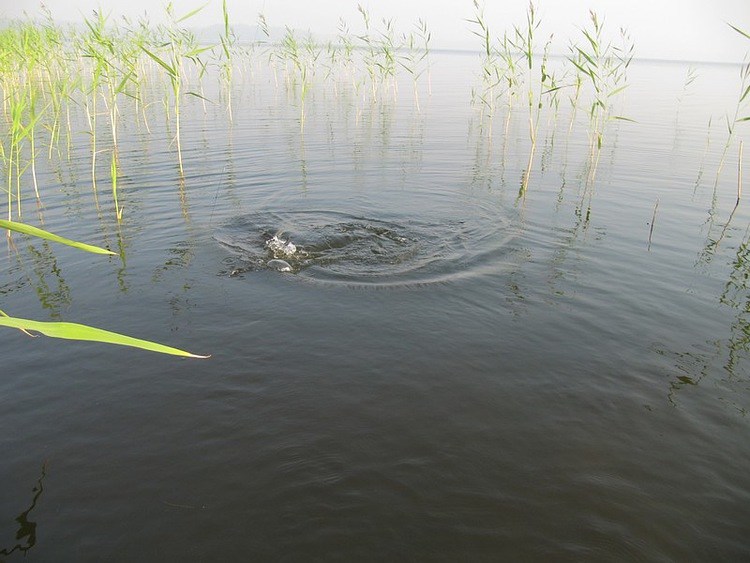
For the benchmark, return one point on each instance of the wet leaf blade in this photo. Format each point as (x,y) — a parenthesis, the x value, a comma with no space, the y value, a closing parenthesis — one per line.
(37,232)
(738,30)
(75,331)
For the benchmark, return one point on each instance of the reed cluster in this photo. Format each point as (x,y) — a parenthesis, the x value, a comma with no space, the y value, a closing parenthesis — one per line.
(48,71)
(516,66)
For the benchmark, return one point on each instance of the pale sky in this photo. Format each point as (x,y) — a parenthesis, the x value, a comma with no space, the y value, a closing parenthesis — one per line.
(669,29)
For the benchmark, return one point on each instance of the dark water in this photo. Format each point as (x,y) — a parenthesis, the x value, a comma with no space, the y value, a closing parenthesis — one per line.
(448,372)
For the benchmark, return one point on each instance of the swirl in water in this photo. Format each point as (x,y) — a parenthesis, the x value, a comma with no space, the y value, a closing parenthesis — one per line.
(332,247)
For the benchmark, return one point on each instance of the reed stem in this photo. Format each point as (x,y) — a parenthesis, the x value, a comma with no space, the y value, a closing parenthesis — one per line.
(653,221)
(739,175)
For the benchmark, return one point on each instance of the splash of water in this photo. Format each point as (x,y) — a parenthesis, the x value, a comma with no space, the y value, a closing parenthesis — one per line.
(281,248)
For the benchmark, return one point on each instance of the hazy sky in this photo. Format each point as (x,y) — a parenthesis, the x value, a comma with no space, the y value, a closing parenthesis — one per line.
(671,29)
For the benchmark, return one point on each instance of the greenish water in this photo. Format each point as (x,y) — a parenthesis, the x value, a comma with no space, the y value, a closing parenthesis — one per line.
(449,372)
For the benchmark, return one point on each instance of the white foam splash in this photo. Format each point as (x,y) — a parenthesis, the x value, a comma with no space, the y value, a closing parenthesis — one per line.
(279,265)
(280,247)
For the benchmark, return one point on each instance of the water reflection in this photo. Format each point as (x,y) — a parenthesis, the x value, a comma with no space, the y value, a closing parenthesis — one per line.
(44,274)
(727,356)
(736,295)
(26,533)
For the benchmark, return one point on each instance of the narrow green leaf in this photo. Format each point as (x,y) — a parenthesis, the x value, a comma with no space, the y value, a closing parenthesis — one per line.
(622,118)
(34,231)
(191,14)
(586,56)
(123,82)
(552,89)
(226,18)
(578,66)
(172,72)
(198,51)
(617,91)
(594,44)
(26,332)
(75,331)
(197,95)
(738,30)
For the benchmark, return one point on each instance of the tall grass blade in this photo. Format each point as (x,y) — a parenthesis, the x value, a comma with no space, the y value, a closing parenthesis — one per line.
(190,14)
(75,331)
(166,66)
(34,231)
(738,30)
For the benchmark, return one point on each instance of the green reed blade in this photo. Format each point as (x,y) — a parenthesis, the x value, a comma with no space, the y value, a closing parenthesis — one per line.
(190,14)
(34,231)
(75,331)
(169,68)
(197,95)
(738,30)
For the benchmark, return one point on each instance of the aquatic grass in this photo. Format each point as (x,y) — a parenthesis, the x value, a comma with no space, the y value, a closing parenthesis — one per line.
(379,48)
(491,73)
(346,46)
(227,40)
(524,42)
(737,118)
(22,124)
(136,35)
(712,245)
(691,76)
(180,44)
(291,55)
(32,52)
(425,36)
(416,59)
(739,175)
(12,154)
(731,123)
(653,222)
(577,82)
(701,167)
(387,51)
(605,65)
(115,69)
(370,57)
(113,175)
(507,71)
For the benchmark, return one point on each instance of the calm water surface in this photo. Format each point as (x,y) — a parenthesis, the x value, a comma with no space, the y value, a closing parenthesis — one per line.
(448,373)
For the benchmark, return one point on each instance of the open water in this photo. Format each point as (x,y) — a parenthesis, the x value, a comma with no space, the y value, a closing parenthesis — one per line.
(449,371)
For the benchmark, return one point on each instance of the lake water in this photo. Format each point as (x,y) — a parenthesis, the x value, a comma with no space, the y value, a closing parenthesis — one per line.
(450,372)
